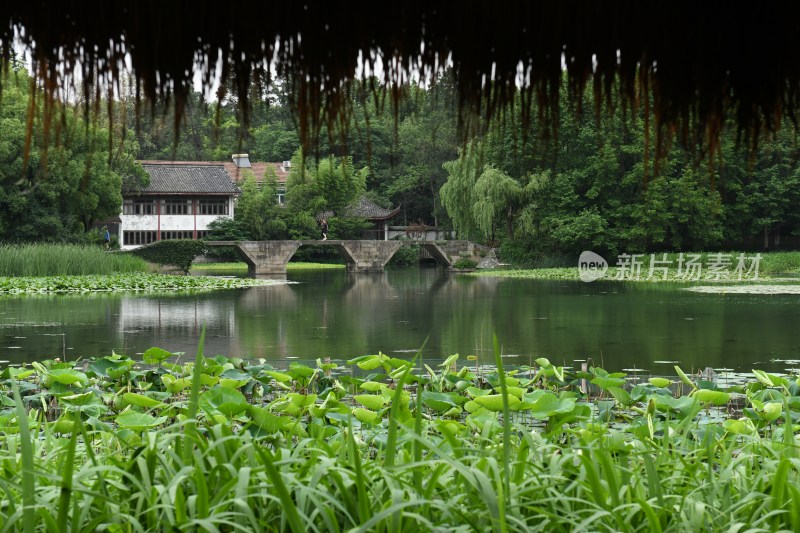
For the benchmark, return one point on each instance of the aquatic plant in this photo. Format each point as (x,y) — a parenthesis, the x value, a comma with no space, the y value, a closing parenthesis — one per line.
(220,443)
(121,283)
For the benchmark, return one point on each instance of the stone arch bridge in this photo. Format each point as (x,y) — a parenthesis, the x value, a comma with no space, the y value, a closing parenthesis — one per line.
(270,257)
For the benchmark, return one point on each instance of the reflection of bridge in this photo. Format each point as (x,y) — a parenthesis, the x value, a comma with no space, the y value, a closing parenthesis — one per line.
(270,257)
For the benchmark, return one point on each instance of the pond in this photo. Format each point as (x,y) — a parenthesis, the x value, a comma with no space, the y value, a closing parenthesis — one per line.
(334,314)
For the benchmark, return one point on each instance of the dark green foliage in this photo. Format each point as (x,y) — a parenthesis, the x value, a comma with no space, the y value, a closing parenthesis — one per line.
(317,254)
(517,252)
(225,229)
(64,182)
(406,256)
(179,253)
(346,228)
(600,189)
(465,264)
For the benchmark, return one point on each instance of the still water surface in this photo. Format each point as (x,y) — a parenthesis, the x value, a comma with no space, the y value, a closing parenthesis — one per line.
(331,313)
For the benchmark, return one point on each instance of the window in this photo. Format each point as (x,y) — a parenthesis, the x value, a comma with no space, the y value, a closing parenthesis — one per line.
(138,237)
(139,207)
(202,234)
(177,207)
(213,207)
(281,193)
(168,235)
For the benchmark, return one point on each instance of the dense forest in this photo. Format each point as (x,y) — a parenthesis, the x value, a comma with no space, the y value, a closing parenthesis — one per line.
(595,185)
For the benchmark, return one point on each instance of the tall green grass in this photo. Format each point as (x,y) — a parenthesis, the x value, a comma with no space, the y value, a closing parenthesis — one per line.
(64,260)
(781,263)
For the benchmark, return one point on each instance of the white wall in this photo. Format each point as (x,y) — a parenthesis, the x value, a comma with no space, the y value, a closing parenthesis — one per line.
(168,223)
(431,234)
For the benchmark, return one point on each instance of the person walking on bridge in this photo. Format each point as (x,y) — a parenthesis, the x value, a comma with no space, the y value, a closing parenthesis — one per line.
(324,226)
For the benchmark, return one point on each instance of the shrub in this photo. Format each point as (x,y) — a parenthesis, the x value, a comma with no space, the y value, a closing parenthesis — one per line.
(517,253)
(179,253)
(524,254)
(346,228)
(225,229)
(464,264)
(406,256)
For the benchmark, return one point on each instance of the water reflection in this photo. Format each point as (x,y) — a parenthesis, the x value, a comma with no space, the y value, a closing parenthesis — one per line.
(332,313)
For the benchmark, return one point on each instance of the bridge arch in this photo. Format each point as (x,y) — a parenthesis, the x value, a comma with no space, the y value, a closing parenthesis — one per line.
(271,257)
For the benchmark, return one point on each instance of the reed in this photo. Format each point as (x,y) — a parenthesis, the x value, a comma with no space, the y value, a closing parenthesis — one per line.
(64,259)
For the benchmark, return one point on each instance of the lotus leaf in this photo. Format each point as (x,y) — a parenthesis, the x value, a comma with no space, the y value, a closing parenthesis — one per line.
(173,384)
(439,401)
(549,404)
(712,396)
(365,416)
(606,383)
(154,356)
(262,418)
(63,425)
(224,400)
(280,377)
(742,426)
(300,372)
(660,382)
(135,421)
(494,402)
(474,392)
(621,395)
(302,400)
(370,401)
(141,400)
(68,376)
(452,412)
(447,363)
(85,398)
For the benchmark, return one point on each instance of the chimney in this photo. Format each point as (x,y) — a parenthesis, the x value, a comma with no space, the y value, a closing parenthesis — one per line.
(287,165)
(241,160)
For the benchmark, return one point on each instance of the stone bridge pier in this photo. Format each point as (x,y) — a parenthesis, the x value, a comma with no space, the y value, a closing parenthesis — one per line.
(362,256)
(265,258)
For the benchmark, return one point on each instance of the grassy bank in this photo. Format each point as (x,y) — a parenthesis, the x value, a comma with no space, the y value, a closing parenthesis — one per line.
(64,260)
(223,444)
(773,266)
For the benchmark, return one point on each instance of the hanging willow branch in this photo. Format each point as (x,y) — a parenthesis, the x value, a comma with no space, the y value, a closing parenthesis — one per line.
(700,59)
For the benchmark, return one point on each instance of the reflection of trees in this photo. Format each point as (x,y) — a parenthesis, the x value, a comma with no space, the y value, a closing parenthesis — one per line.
(617,325)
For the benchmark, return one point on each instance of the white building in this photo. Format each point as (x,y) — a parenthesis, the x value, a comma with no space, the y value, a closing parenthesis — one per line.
(179,203)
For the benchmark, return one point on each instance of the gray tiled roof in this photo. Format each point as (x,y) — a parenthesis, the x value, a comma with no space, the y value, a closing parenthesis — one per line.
(364,208)
(188,179)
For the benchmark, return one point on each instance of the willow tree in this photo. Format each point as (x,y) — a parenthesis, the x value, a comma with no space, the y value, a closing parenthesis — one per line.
(481,199)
